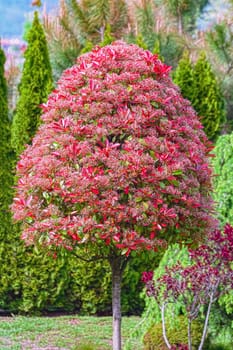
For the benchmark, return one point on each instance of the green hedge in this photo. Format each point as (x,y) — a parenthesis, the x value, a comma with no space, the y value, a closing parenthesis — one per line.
(176,334)
(43,284)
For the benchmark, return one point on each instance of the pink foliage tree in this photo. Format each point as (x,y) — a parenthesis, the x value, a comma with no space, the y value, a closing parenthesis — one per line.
(119,164)
(209,275)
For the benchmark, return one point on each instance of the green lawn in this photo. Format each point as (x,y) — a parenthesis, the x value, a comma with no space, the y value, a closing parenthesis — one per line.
(64,333)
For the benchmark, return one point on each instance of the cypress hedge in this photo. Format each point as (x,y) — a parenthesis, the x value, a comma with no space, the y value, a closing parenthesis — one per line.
(7,254)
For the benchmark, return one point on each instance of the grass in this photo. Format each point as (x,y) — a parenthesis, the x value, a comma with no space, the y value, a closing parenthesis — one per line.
(64,333)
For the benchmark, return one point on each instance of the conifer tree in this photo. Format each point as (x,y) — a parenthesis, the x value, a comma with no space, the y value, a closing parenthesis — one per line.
(223,185)
(219,39)
(199,85)
(207,98)
(6,183)
(183,76)
(80,25)
(184,11)
(157,32)
(25,274)
(35,85)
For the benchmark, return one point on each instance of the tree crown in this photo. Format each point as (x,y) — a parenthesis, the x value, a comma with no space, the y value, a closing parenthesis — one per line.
(121,158)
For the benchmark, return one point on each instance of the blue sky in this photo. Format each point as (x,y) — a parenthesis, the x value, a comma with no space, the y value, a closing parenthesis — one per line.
(14,14)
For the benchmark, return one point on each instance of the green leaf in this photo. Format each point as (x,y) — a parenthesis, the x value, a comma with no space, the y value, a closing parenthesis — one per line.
(177,172)
(162,184)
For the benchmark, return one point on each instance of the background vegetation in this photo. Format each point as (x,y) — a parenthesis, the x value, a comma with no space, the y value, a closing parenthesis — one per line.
(202,61)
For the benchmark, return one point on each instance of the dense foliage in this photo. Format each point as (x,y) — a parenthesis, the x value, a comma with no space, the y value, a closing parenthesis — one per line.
(7,257)
(80,25)
(35,277)
(184,11)
(223,187)
(183,76)
(199,84)
(208,276)
(151,314)
(43,284)
(120,163)
(155,33)
(36,83)
(207,97)
(219,39)
(176,332)
(96,125)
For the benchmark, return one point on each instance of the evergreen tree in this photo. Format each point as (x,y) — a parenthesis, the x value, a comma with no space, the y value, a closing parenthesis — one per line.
(183,76)
(34,87)
(207,98)
(223,185)
(223,196)
(6,183)
(80,25)
(220,39)
(157,32)
(199,85)
(184,11)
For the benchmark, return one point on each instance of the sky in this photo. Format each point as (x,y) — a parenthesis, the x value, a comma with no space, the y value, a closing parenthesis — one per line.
(14,13)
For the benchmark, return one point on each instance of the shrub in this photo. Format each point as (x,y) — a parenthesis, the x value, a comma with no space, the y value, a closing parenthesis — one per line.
(176,333)
(151,314)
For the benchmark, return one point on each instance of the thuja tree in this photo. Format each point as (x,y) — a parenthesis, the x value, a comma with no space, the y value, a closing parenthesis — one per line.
(222,194)
(223,188)
(119,164)
(207,98)
(219,38)
(35,85)
(183,76)
(199,84)
(6,183)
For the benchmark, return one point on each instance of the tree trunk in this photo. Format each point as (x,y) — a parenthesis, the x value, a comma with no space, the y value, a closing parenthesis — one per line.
(116,301)
(189,335)
(164,327)
(102,30)
(206,322)
(180,24)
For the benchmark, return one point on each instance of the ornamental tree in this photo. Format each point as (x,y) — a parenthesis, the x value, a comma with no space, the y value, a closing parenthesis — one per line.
(119,164)
(208,276)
